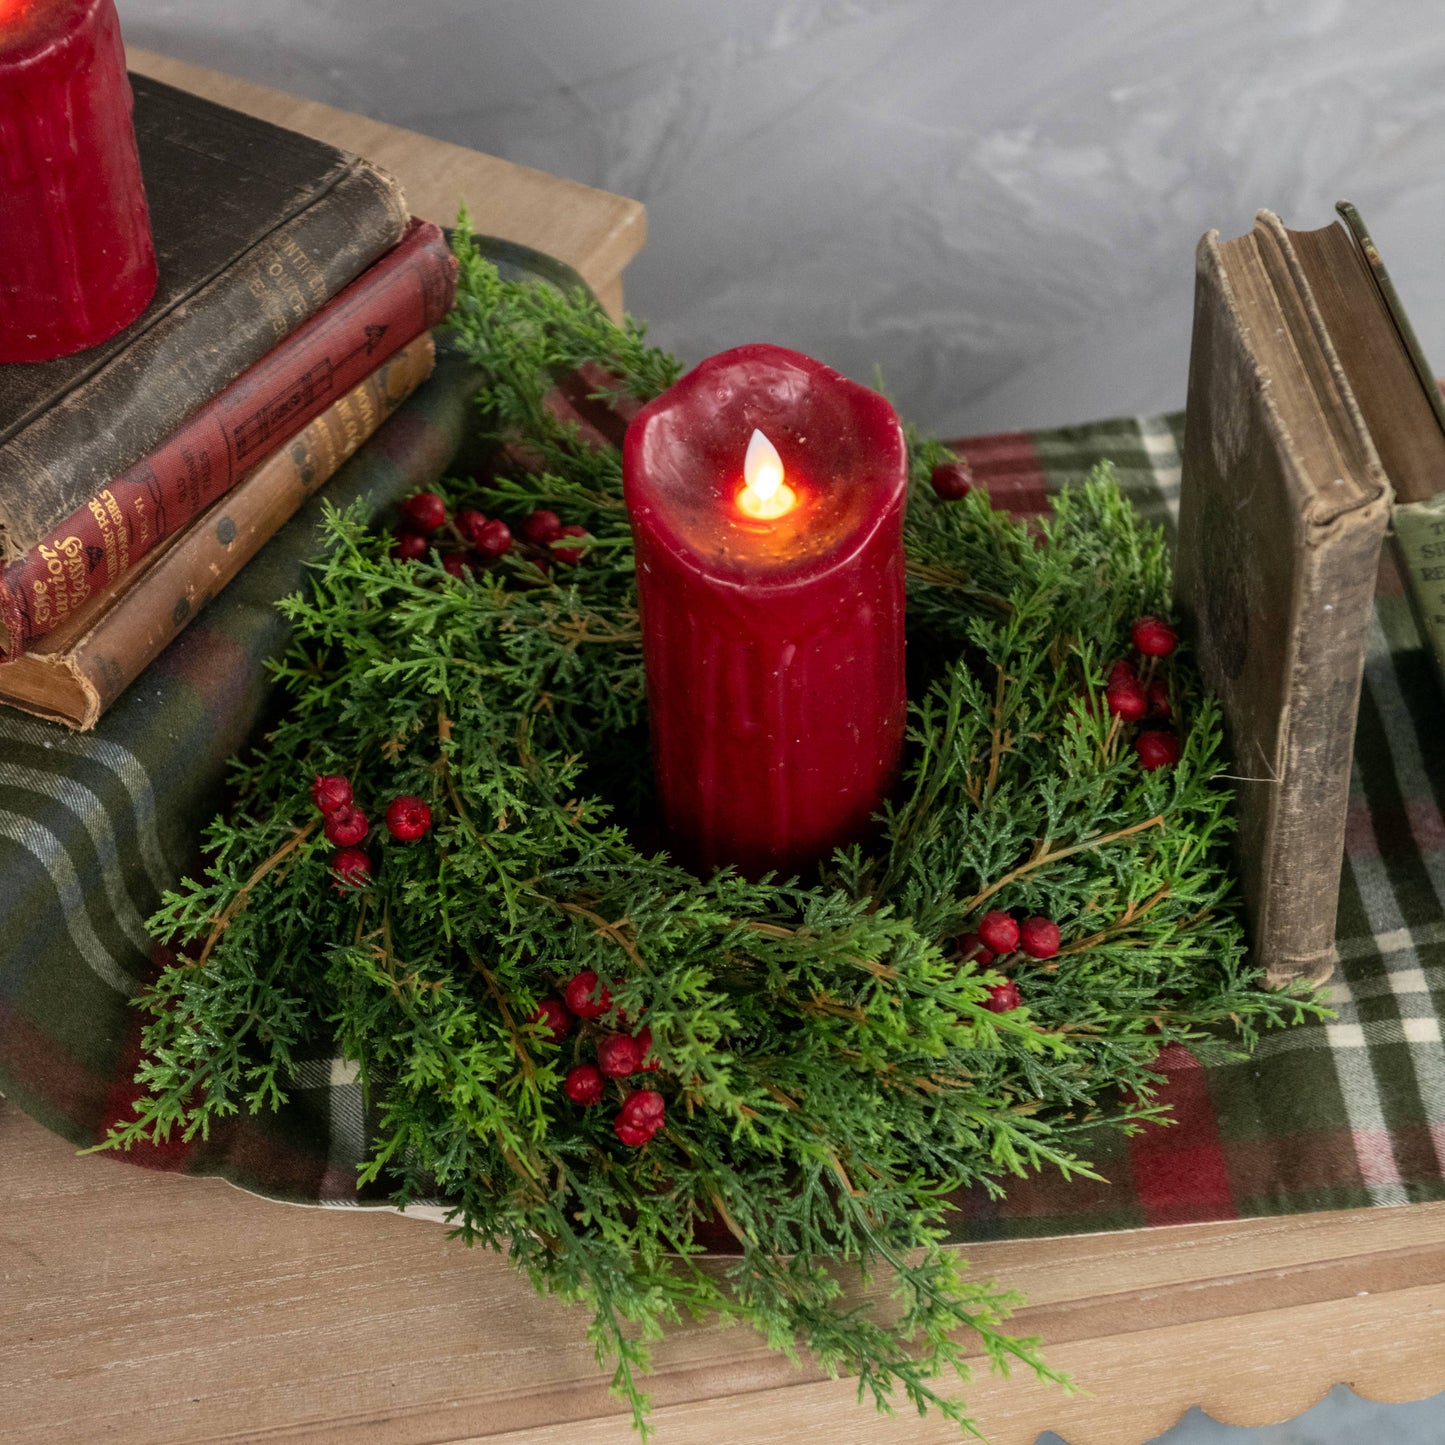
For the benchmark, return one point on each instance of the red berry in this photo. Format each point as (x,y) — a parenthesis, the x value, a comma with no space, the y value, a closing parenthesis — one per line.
(585,998)
(426,511)
(330,791)
(999,932)
(952,480)
(1126,699)
(352,869)
(458,564)
(970,945)
(493,538)
(346,827)
(541,527)
(643,1113)
(1158,748)
(407,818)
(1122,671)
(570,555)
(618,1055)
(1159,705)
(1039,937)
(470,522)
(645,1106)
(1154,637)
(553,1016)
(410,546)
(1003,997)
(648,1064)
(583,1085)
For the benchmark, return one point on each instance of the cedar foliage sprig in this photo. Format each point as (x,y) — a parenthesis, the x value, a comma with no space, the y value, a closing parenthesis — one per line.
(830,1070)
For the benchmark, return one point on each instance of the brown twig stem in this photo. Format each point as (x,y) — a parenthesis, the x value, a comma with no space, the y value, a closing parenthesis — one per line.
(243,894)
(1039,859)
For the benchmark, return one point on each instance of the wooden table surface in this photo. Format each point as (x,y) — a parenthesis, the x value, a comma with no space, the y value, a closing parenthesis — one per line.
(138,1307)
(151,1308)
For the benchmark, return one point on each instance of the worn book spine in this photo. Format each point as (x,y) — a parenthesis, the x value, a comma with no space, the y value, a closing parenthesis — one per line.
(64,456)
(406,292)
(1294,924)
(1282,514)
(75,674)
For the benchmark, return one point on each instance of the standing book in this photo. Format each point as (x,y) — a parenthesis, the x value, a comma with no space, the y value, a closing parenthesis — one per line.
(1305,406)
(1400,395)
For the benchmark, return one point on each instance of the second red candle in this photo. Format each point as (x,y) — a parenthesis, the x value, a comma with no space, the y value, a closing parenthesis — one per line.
(76,259)
(772,624)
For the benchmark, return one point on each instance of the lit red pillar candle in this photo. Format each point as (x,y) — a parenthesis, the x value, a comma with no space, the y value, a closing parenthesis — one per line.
(76,260)
(766,493)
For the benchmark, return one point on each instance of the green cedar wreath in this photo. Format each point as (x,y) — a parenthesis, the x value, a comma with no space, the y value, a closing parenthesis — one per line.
(440,863)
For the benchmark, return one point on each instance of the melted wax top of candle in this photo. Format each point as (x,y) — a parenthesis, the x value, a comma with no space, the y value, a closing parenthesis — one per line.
(31,25)
(841,447)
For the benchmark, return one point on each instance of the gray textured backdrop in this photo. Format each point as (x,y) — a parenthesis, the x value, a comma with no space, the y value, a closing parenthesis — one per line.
(996,203)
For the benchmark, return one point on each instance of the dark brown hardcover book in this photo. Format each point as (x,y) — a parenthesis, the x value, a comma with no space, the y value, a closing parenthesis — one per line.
(78,670)
(1283,509)
(256,228)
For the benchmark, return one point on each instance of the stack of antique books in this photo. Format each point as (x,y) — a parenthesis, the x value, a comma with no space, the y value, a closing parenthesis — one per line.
(292,317)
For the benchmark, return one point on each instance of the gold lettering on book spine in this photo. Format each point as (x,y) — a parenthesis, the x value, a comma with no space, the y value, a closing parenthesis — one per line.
(122,532)
(65,584)
(113,536)
(142,519)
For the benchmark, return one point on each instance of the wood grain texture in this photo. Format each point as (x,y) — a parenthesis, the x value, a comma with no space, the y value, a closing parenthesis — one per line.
(149,1308)
(595,232)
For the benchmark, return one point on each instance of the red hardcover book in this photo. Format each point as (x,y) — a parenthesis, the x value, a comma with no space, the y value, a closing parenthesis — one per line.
(406,292)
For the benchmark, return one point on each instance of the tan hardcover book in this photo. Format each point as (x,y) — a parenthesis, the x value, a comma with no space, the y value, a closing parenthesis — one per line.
(1303,406)
(76,672)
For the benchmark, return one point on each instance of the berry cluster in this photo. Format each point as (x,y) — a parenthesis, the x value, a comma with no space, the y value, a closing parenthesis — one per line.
(407,819)
(1001,933)
(471,539)
(1135,695)
(619,1056)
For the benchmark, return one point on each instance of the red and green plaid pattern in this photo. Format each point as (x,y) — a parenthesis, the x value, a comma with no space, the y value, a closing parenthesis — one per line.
(1329,1116)
(1326,1116)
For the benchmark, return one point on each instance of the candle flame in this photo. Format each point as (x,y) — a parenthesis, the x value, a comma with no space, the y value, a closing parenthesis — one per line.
(765,495)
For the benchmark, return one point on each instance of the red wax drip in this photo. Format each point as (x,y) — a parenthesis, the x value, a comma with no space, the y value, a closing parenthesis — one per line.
(76,260)
(773,649)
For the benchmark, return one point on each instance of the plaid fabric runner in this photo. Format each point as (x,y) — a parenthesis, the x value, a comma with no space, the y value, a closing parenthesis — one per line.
(1325,1116)
(1328,1116)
